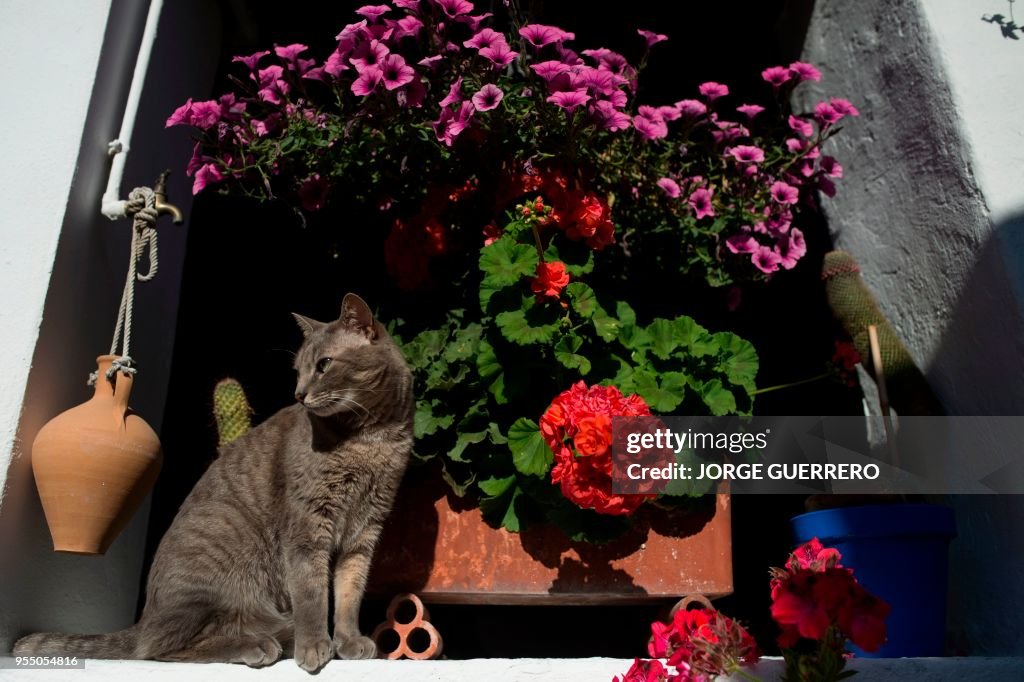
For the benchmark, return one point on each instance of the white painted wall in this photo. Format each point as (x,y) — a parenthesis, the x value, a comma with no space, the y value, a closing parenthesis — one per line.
(933,207)
(50,51)
(67,69)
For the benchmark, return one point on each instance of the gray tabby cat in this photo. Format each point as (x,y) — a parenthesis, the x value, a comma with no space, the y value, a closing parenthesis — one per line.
(295,505)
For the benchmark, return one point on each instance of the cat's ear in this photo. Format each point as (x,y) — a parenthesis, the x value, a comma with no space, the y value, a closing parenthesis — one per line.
(307,325)
(357,317)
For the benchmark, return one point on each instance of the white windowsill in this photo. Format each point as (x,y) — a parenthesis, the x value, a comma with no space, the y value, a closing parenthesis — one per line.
(532,669)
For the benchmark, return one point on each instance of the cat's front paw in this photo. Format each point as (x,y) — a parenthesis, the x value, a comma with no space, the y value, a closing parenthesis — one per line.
(263,652)
(313,654)
(354,648)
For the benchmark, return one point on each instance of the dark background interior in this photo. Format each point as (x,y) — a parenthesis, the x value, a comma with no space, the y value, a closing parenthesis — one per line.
(249,265)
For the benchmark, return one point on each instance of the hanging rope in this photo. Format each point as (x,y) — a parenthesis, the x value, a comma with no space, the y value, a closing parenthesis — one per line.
(141,206)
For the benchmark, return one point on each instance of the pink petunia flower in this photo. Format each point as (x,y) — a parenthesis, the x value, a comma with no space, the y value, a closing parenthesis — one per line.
(700,200)
(351,35)
(411,5)
(336,63)
(650,123)
(777,75)
(569,99)
(826,185)
(598,82)
(251,60)
(791,249)
(290,53)
(826,114)
(539,35)
(272,86)
(267,125)
(843,106)
(745,153)
(373,12)
(778,224)
(499,53)
(804,72)
(750,110)
(741,243)
(801,126)
(651,38)
(369,55)
(669,186)
(488,97)
(831,167)
(367,81)
(691,108)
(408,26)
(181,116)
(609,117)
(784,193)
(766,260)
(431,61)
(485,38)
(205,115)
(396,72)
(454,8)
(549,69)
(207,174)
(670,113)
(713,90)
(454,95)
(473,21)
(451,123)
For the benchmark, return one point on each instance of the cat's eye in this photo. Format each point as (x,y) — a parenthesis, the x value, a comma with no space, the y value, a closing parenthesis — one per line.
(322,365)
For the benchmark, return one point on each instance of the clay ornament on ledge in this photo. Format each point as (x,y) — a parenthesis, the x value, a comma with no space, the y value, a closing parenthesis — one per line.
(94,465)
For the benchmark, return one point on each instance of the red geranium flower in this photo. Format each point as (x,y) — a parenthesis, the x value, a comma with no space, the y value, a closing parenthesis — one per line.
(550,280)
(703,640)
(577,428)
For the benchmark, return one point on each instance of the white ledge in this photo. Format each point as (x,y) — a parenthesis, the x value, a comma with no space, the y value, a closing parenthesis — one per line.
(532,669)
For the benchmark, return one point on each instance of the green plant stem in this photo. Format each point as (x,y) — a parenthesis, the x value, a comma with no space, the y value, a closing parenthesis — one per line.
(779,387)
(537,242)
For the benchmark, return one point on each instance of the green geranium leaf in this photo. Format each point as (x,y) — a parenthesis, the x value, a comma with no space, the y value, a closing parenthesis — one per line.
(493,487)
(494,431)
(530,454)
(464,344)
(505,262)
(583,299)
(693,339)
(625,314)
(462,442)
(606,326)
(458,483)
(426,422)
(663,338)
(738,359)
(719,399)
(565,353)
(532,323)
(487,365)
(500,511)
(662,395)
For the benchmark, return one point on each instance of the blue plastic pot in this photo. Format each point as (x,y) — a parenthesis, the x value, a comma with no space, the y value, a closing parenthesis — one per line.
(899,552)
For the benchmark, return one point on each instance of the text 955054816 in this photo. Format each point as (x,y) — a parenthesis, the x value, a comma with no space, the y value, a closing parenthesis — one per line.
(51,662)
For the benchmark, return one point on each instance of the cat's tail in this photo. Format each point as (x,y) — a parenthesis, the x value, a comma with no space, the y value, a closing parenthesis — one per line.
(120,644)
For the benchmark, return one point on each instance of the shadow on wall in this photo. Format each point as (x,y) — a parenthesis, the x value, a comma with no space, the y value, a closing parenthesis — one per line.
(981,362)
(43,589)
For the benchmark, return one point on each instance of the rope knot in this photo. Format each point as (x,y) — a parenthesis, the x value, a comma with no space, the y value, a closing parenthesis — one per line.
(141,207)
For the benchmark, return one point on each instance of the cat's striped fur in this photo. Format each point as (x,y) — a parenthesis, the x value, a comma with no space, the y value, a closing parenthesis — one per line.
(286,513)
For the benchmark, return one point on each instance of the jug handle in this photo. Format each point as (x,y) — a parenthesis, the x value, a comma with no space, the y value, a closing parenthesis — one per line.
(122,392)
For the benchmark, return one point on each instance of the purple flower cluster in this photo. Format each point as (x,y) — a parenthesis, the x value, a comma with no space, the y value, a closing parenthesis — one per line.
(410,67)
(764,180)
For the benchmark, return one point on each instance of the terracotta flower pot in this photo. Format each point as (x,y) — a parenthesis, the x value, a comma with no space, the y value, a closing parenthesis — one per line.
(450,556)
(94,465)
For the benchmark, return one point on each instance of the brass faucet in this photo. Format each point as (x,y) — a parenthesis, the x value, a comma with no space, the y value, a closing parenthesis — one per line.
(162,207)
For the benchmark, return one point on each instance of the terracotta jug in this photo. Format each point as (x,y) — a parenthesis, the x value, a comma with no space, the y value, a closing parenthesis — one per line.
(94,465)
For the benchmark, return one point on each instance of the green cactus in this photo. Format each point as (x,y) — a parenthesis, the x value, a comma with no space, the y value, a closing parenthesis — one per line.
(231,410)
(855,308)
